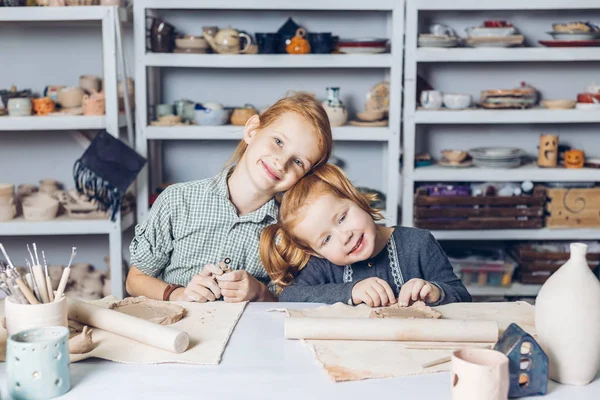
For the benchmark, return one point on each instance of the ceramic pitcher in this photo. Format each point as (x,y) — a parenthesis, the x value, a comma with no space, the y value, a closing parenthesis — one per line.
(567,320)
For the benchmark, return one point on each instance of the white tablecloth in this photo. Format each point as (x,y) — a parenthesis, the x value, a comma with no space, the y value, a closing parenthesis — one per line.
(259,363)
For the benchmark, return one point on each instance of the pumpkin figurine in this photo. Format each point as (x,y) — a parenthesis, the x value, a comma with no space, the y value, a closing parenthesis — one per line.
(298,44)
(43,106)
(574,159)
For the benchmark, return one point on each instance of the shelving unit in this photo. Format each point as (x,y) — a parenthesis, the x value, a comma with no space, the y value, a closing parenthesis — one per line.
(107,16)
(417,121)
(148,65)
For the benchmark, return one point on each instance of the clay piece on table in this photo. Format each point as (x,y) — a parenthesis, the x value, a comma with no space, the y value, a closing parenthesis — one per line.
(417,310)
(82,343)
(159,312)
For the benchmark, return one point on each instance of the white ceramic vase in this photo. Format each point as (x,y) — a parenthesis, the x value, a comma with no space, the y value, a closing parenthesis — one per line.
(567,320)
(335,109)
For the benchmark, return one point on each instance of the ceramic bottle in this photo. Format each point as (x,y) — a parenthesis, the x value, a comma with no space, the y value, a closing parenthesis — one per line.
(335,109)
(567,320)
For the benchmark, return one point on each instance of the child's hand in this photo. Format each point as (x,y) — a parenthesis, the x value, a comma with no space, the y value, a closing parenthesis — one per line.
(239,286)
(374,292)
(202,287)
(418,289)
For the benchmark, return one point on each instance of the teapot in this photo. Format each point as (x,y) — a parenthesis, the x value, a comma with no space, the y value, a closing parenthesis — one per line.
(227,41)
(298,44)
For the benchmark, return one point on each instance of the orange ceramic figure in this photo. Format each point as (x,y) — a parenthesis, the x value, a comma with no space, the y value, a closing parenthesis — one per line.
(574,159)
(43,106)
(298,44)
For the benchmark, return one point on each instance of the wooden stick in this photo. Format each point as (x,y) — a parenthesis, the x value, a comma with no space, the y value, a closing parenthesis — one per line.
(65,276)
(437,362)
(48,280)
(26,291)
(40,281)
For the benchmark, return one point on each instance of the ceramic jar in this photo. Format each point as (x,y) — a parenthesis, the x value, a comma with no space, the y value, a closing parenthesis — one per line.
(70,97)
(298,44)
(335,109)
(19,107)
(479,374)
(93,104)
(567,320)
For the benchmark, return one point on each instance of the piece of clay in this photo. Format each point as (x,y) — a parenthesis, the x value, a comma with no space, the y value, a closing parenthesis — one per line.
(417,310)
(82,343)
(159,312)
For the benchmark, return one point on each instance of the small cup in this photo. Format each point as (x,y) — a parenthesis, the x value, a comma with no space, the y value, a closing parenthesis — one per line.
(267,42)
(20,317)
(19,107)
(479,374)
(37,363)
(321,43)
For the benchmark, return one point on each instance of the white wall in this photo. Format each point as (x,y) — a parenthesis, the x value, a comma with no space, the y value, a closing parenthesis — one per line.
(35,56)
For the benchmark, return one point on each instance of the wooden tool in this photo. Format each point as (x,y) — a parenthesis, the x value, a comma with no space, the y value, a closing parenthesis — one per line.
(26,291)
(65,276)
(437,362)
(48,280)
(433,330)
(40,280)
(162,337)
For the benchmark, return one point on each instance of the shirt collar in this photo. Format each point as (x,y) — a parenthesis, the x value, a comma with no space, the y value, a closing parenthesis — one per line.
(219,186)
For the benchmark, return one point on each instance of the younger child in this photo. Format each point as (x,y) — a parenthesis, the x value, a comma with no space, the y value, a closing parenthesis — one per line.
(327,248)
(193,226)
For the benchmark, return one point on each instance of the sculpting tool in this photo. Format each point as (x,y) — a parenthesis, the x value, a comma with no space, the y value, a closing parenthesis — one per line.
(439,361)
(40,281)
(65,277)
(30,278)
(48,280)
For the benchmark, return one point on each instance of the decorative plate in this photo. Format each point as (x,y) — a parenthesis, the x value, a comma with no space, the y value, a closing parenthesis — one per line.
(570,43)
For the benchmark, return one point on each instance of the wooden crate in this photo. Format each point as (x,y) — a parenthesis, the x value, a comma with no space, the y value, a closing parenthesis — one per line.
(573,208)
(479,212)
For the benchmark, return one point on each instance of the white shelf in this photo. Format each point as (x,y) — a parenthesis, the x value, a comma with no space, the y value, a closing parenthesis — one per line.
(359,5)
(516,289)
(63,225)
(50,123)
(268,61)
(526,54)
(231,132)
(530,172)
(534,116)
(475,5)
(519,234)
(80,13)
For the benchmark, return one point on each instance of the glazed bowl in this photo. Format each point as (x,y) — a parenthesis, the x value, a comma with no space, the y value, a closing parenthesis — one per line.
(454,156)
(191,42)
(39,207)
(208,116)
(457,101)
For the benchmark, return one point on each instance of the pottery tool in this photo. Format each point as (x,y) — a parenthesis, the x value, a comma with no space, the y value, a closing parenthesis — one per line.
(48,280)
(392,329)
(439,361)
(20,288)
(30,279)
(65,277)
(39,277)
(31,286)
(445,346)
(140,330)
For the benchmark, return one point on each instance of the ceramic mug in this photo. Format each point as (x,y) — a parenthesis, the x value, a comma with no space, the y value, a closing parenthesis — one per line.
(431,99)
(37,363)
(479,374)
(267,42)
(20,317)
(320,43)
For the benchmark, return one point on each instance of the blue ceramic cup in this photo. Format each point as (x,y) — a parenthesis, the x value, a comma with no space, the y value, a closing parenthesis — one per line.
(37,363)
(320,43)
(267,42)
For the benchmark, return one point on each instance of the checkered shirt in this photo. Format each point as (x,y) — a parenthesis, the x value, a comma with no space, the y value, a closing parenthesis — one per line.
(192,224)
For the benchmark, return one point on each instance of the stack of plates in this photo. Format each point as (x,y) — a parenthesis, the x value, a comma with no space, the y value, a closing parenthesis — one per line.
(508,98)
(429,40)
(496,157)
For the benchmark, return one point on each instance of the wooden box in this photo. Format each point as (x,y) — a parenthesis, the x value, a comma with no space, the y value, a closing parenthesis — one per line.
(479,212)
(573,208)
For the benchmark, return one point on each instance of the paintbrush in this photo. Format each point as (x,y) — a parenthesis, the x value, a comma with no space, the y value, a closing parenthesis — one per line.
(40,278)
(65,276)
(48,280)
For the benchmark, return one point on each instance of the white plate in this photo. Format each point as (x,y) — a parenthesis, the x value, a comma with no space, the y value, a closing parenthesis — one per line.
(495,153)
(574,35)
(478,31)
(587,106)
(492,44)
(362,50)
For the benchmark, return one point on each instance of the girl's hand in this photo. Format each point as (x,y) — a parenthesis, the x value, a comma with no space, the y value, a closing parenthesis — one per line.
(202,287)
(239,286)
(374,292)
(418,289)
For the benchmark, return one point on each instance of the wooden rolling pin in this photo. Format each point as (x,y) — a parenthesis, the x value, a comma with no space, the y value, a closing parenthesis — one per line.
(431,330)
(162,337)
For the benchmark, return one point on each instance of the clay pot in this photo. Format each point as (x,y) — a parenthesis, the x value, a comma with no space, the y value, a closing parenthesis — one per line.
(479,374)
(8,210)
(567,320)
(19,107)
(241,115)
(7,190)
(94,104)
(454,156)
(48,186)
(20,317)
(298,44)
(70,97)
(43,106)
(39,207)
(574,158)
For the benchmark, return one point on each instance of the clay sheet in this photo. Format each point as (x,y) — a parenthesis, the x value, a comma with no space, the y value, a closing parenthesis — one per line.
(209,326)
(349,360)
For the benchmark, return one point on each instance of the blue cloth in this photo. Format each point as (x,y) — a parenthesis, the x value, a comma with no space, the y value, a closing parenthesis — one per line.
(418,254)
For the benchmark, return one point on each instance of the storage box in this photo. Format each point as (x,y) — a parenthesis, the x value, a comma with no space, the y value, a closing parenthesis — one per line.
(573,208)
(486,275)
(479,212)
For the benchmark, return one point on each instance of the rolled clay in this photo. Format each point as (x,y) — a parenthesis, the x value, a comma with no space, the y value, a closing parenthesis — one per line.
(393,329)
(159,336)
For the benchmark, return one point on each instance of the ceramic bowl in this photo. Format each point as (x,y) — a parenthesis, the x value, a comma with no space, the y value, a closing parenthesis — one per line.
(39,207)
(457,101)
(370,115)
(211,117)
(559,104)
(191,42)
(478,31)
(70,97)
(19,107)
(454,156)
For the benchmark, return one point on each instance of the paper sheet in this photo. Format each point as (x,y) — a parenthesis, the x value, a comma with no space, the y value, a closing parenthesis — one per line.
(209,326)
(355,360)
